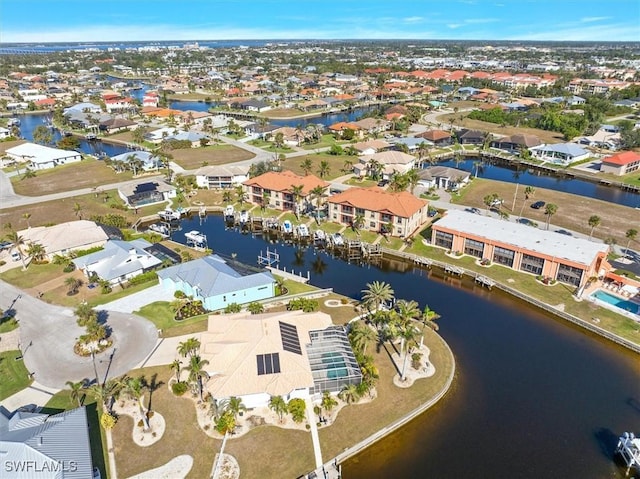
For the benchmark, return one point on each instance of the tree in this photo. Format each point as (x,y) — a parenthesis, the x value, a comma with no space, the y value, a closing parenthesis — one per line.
(357,222)
(405,311)
(377,293)
(413,178)
(189,347)
(347,167)
(74,391)
(361,335)
(328,402)
(85,314)
(549,211)
(226,424)
(296,192)
(227,196)
(255,307)
(234,405)
(18,243)
(631,236)
(429,317)
(297,409)
(73,285)
(323,169)
(409,335)
(138,135)
(77,209)
(529,191)
(349,393)
(27,217)
(197,373)
(594,222)
(279,406)
(240,194)
(134,388)
(492,200)
(28,173)
(278,140)
(106,393)
(42,135)
(176,365)
(306,165)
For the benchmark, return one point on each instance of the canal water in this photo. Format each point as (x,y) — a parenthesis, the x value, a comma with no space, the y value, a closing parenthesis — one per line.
(533,397)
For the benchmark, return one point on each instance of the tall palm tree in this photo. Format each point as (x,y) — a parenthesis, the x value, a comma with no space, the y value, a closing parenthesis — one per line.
(318,193)
(75,390)
(37,252)
(18,241)
(296,192)
(27,217)
(405,311)
(85,314)
(529,191)
(324,169)
(77,209)
(631,236)
(549,211)
(197,373)
(377,293)
(413,178)
(409,335)
(234,405)
(106,393)
(357,222)
(347,167)
(428,318)
(594,222)
(176,366)
(361,335)
(134,388)
(278,405)
(306,165)
(189,347)
(73,285)
(227,196)
(240,194)
(328,402)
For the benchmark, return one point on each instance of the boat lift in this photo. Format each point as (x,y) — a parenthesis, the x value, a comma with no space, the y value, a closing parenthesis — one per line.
(272,258)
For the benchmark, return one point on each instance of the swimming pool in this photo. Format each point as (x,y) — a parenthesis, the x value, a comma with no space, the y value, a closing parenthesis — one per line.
(616,302)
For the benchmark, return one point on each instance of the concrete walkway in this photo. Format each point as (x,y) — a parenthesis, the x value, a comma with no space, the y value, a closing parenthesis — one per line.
(36,393)
(311,419)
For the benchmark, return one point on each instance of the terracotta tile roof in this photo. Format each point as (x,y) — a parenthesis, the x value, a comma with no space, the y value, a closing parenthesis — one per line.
(285,180)
(622,158)
(344,126)
(402,204)
(435,135)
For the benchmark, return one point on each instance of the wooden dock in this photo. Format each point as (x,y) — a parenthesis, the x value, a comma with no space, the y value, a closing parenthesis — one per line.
(484,281)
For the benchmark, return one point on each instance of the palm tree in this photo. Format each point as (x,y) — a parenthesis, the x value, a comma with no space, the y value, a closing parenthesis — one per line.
(361,335)
(134,388)
(73,284)
(255,307)
(328,402)
(357,222)
(296,192)
(594,222)
(529,191)
(106,393)
(428,318)
(26,217)
(631,236)
(549,211)
(324,169)
(176,365)
(409,335)
(349,393)
(234,405)
(347,167)
(197,373)
(377,293)
(306,165)
(85,314)
(227,197)
(318,194)
(77,209)
(74,391)
(278,405)
(413,178)
(189,347)
(405,311)
(36,251)
(18,242)
(240,194)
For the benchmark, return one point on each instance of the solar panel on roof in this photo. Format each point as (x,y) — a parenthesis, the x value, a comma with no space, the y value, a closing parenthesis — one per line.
(290,340)
(268,363)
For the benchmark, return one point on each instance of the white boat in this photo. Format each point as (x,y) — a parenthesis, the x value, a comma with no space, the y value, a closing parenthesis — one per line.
(229,213)
(337,239)
(287,227)
(169,215)
(91,137)
(244,217)
(159,228)
(319,236)
(196,237)
(13,122)
(303,231)
(629,448)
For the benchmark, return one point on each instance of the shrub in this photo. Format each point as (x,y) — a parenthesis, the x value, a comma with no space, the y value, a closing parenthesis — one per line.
(297,409)
(179,294)
(304,304)
(415,360)
(179,388)
(107,421)
(140,423)
(344,301)
(143,278)
(233,308)
(69,268)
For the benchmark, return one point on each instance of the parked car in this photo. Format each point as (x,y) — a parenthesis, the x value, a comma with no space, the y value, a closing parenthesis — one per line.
(382,183)
(15,256)
(474,211)
(538,204)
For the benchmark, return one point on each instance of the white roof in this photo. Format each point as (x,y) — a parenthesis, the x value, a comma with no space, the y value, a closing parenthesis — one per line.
(65,236)
(39,153)
(549,243)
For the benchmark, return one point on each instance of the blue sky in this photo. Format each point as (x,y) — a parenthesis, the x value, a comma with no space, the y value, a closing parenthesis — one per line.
(128,20)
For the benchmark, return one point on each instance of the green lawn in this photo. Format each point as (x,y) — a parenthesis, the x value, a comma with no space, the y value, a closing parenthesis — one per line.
(294,287)
(335,162)
(362,235)
(331,227)
(326,142)
(8,323)
(361,183)
(14,374)
(62,402)
(160,314)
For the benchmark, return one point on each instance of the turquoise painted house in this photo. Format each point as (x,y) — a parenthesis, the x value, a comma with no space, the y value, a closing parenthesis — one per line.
(218,282)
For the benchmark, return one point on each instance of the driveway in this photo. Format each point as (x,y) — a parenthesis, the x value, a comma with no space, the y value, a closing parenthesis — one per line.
(48,333)
(135,301)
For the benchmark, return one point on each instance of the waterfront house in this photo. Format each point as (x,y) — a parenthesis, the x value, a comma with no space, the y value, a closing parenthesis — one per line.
(46,446)
(221,176)
(470,137)
(119,261)
(516,143)
(192,137)
(388,163)
(218,282)
(437,137)
(146,193)
(398,214)
(443,177)
(63,238)
(621,164)
(4,133)
(256,357)
(370,147)
(520,247)
(42,157)
(115,125)
(561,153)
(277,189)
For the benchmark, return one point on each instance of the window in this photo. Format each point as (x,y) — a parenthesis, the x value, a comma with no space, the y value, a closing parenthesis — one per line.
(386,218)
(473,248)
(503,256)
(372,224)
(359,211)
(444,239)
(399,220)
(532,264)
(569,274)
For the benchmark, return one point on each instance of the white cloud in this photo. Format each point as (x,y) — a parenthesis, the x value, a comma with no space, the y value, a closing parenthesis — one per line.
(593,19)
(619,32)
(412,19)
(455,25)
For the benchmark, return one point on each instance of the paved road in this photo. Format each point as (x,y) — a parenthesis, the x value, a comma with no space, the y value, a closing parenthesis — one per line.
(48,333)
